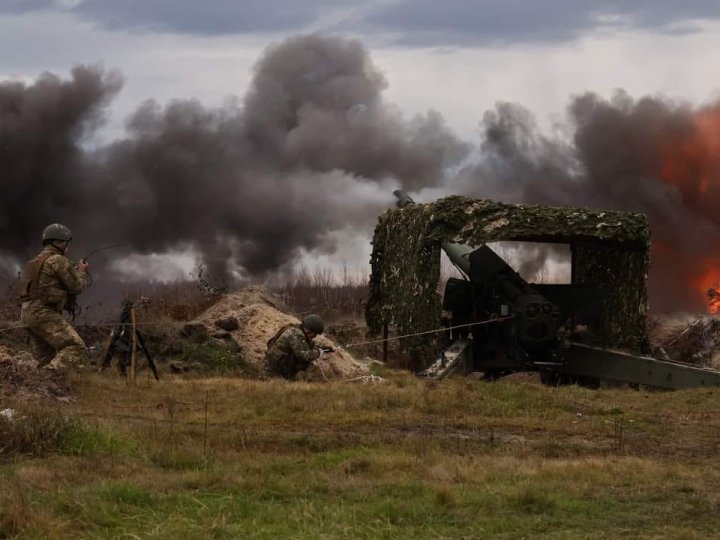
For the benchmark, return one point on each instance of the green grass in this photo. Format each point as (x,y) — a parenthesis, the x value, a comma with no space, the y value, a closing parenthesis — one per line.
(215,357)
(403,459)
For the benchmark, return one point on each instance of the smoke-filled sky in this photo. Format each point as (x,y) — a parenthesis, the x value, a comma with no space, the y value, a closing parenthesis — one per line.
(239,133)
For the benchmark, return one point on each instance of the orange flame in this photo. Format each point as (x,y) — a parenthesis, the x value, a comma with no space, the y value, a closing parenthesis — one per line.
(708,283)
(692,164)
(713,295)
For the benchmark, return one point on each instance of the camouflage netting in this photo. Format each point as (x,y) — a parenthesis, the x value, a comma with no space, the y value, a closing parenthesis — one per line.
(622,274)
(610,250)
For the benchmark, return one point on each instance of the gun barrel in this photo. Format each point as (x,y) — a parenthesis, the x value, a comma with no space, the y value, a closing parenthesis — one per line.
(403,199)
(457,253)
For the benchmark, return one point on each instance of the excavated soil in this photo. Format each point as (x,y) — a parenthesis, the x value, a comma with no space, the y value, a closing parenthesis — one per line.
(253,315)
(21,380)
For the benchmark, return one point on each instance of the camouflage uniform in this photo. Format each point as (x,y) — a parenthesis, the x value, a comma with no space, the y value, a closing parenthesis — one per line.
(48,281)
(289,352)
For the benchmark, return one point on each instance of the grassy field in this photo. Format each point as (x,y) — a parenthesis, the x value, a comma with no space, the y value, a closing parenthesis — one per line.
(232,458)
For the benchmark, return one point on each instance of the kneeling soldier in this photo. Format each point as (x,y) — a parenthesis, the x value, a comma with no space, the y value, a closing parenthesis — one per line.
(291,350)
(49,282)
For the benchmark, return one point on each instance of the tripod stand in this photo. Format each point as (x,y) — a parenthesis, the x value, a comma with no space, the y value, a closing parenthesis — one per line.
(125,339)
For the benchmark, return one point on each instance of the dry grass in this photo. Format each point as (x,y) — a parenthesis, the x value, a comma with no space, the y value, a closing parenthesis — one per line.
(34,432)
(211,457)
(325,293)
(228,458)
(9,304)
(321,291)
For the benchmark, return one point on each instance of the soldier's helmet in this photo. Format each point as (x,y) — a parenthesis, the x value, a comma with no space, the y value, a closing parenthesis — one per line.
(56,231)
(313,323)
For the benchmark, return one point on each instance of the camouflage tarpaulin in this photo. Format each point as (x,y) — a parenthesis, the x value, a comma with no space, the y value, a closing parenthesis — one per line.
(622,275)
(405,266)
(610,251)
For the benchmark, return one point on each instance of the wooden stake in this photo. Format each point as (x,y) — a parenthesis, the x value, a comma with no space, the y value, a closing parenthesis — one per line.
(106,350)
(385,343)
(133,346)
(205,426)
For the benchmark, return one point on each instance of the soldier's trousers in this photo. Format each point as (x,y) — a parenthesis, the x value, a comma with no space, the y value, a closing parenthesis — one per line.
(54,339)
(285,366)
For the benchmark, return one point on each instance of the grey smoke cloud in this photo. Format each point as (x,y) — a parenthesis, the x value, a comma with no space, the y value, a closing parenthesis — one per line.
(246,186)
(616,157)
(45,171)
(313,149)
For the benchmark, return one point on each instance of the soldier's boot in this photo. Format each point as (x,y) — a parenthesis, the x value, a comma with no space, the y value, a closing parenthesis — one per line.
(73,356)
(43,352)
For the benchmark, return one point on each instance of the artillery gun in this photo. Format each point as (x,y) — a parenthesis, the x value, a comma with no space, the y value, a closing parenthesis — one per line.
(501,324)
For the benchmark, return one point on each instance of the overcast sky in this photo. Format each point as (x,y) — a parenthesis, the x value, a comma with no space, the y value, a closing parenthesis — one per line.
(458,57)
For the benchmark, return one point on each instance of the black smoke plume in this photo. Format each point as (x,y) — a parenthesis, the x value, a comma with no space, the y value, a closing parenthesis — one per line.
(313,148)
(246,186)
(44,171)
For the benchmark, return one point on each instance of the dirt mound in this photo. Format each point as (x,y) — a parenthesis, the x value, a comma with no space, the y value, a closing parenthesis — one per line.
(256,314)
(695,342)
(20,379)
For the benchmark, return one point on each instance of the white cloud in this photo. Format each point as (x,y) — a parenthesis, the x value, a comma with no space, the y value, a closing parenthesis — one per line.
(159,66)
(463,83)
